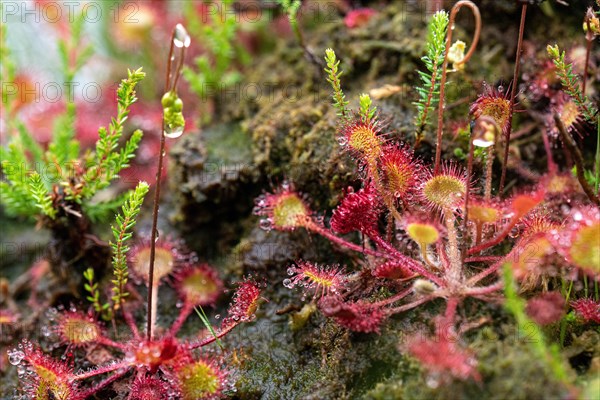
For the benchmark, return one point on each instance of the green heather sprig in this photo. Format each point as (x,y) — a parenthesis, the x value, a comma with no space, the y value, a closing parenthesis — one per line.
(433,59)
(107,161)
(122,232)
(91,286)
(333,77)
(570,82)
(291,8)
(40,195)
(366,109)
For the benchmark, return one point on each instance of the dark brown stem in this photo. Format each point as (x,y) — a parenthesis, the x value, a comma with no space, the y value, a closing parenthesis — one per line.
(577,158)
(154,233)
(453,12)
(513,94)
(589,37)
(161,155)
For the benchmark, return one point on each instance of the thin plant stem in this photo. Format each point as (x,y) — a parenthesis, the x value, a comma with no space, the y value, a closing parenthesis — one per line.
(186,310)
(411,264)
(451,306)
(482,259)
(161,155)
(409,306)
(513,94)
(453,251)
(154,236)
(101,370)
(453,12)
(552,168)
(577,158)
(494,241)
(316,228)
(103,383)
(392,299)
(597,157)
(588,49)
(469,172)
(589,38)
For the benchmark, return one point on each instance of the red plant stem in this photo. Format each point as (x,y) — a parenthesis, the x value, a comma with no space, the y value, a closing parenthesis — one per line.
(466,213)
(409,306)
(210,339)
(100,370)
(316,228)
(552,168)
(453,12)
(94,389)
(482,259)
(513,94)
(485,289)
(589,37)
(483,274)
(183,314)
(107,342)
(451,306)
(411,264)
(588,49)
(131,323)
(392,299)
(494,241)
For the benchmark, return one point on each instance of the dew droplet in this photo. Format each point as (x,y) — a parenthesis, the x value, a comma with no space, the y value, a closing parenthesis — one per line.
(46,331)
(288,283)
(218,316)
(181,37)
(173,132)
(265,224)
(291,271)
(342,140)
(15,357)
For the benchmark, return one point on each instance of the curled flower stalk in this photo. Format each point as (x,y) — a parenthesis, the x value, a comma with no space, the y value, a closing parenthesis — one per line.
(462,61)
